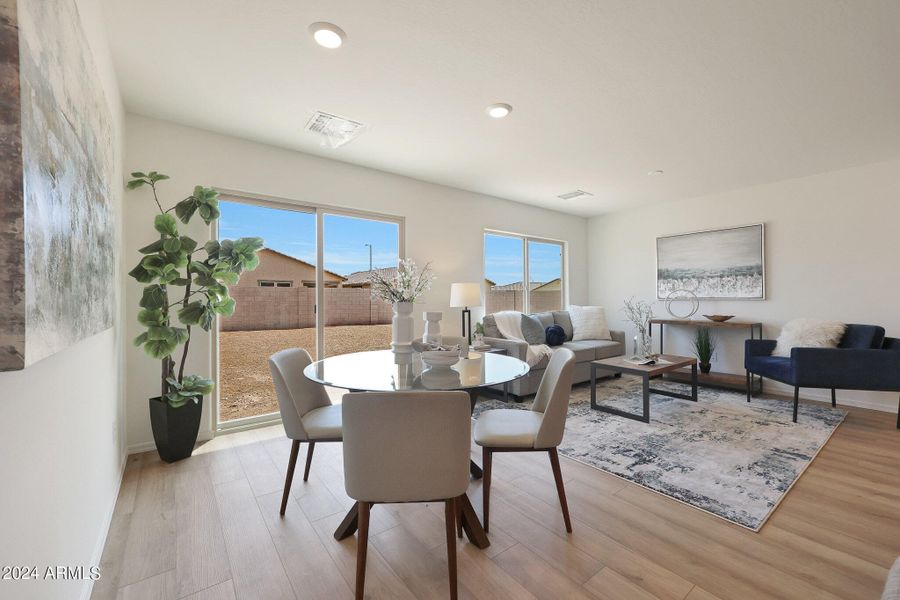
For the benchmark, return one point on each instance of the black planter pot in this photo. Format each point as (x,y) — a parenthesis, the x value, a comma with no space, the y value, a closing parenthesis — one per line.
(175,429)
(705,367)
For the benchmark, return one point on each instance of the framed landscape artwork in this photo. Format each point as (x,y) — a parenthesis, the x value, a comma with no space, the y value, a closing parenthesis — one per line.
(57,228)
(719,264)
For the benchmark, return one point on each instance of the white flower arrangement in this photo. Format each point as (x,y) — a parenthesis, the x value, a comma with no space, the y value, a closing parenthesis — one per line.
(407,285)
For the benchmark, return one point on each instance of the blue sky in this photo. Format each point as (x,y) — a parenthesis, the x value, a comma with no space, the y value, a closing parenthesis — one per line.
(294,233)
(504,262)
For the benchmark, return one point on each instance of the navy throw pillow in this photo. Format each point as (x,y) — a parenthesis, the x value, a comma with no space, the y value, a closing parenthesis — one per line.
(556,335)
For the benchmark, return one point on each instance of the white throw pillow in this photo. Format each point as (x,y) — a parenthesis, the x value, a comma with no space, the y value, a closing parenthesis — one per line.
(589,323)
(808,333)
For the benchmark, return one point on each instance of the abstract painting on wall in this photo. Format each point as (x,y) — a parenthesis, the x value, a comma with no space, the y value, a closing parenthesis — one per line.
(57,232)
(716,265)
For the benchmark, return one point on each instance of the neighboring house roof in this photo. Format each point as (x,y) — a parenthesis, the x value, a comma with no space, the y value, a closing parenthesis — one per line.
(294,258)
(362,278)
(516,287)
(550,286)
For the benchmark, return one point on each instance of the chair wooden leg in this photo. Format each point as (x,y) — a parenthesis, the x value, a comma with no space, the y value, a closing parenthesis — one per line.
(457,510)
(560,489)
(309,453)
(796,401)
(362,546)
(833,398)
(292,462)
(450,518)
(486,485)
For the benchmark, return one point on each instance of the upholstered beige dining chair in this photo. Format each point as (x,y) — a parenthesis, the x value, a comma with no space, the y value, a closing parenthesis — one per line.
(406,447)
(306,410)
(537,430)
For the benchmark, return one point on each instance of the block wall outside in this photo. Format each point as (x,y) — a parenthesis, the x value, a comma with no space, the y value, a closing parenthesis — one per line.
(260,308)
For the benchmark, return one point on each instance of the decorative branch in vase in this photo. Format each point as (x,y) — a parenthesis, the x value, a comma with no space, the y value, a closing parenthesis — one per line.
(639,313)
(401,291)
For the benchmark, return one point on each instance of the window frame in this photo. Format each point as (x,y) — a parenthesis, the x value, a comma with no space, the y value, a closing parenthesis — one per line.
(526,275)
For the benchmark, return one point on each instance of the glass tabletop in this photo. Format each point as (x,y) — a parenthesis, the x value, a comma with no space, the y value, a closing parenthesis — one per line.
(384,371)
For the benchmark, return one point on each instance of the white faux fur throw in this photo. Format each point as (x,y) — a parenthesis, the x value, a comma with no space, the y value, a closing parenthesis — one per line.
(808,333)
(509,322)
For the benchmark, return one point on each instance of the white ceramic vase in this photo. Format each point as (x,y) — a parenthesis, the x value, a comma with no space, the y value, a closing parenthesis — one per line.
(402,327)
(432,328)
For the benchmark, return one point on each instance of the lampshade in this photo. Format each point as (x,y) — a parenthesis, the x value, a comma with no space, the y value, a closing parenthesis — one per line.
(465,294)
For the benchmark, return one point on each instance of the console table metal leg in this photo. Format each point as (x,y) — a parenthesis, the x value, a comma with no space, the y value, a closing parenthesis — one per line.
(694,382)
(646,380)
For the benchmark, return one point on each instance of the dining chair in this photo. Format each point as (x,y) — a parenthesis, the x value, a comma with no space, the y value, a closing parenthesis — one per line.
(406,447)
(306,410)
(537,430)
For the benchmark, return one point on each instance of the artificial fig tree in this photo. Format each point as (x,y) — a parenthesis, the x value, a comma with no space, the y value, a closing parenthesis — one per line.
(201,282)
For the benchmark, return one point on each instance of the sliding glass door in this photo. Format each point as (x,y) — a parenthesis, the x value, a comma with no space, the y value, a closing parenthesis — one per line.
(523,273)
(312,290)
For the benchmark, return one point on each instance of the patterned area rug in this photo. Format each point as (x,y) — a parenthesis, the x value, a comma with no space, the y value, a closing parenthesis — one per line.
(720,455)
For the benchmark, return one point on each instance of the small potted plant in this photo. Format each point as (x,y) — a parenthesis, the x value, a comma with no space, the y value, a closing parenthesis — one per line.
(704,347)
(479,334)
(173,262)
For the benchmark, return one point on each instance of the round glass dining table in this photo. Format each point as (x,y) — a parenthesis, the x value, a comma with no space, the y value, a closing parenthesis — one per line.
(385,371)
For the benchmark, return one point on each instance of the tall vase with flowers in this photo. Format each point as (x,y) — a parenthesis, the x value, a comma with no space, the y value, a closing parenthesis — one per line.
(407,285)
(639,313)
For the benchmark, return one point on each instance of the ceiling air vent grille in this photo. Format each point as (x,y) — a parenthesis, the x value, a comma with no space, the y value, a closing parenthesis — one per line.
(335,131)
(575,194)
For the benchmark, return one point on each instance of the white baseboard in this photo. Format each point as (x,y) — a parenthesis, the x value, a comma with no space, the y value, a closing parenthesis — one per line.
(100,544)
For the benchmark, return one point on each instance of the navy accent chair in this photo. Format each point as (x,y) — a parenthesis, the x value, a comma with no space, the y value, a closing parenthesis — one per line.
(864,360)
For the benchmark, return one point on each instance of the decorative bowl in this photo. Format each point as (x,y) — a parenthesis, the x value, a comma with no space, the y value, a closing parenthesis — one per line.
(719,318)
(440,358)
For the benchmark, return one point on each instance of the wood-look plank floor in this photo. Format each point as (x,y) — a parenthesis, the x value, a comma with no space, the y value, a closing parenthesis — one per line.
(207,528)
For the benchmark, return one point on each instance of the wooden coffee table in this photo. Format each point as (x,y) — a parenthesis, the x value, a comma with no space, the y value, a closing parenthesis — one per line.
(664,364)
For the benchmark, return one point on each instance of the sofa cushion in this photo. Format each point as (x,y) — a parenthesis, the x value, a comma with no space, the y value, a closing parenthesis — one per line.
(555,335)
(533,330)
(776,367)
(589,323)
(562,318)
(608,349)
(546,318)
(585,350)
(862,336)
(490,327)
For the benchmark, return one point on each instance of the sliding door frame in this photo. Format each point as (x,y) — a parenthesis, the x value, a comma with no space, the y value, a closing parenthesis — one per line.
(526,281)
(320,211)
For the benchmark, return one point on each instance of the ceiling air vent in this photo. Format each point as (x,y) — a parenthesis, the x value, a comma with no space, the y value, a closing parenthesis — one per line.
(575,194)
(335,131)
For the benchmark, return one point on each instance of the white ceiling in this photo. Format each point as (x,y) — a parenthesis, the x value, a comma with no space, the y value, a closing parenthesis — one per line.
(720,94)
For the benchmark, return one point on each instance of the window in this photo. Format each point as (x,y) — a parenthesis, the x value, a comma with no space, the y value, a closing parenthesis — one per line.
(511,260)
(270,283)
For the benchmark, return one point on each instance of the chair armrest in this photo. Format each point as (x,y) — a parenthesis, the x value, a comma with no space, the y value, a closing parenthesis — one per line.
(512,347)
(619,336)
(758,348)
(847,368)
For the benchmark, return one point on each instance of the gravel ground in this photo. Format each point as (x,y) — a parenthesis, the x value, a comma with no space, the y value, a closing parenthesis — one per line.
(246,384)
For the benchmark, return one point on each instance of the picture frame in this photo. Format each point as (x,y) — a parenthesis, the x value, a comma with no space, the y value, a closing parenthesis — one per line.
(714,264)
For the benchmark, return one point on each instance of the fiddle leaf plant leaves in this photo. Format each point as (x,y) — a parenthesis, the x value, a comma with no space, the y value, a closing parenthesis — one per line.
(173,277)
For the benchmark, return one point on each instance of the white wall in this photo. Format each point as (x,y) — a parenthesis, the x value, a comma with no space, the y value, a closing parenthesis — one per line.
(443,225)
(62,436)
(831,253)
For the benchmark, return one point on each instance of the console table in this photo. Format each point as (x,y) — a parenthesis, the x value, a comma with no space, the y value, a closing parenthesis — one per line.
(726,380)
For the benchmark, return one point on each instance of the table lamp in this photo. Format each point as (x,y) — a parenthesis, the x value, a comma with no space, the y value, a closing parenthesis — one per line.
(465,295)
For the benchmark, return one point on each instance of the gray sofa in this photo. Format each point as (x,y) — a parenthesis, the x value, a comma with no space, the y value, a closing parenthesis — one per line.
(585,350)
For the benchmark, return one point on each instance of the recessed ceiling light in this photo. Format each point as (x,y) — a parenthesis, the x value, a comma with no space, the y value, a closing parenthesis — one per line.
(327,35)
(499,110)
(656,173)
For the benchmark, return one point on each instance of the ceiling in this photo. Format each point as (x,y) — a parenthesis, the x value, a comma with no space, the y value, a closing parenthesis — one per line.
(720,95)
